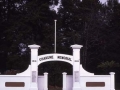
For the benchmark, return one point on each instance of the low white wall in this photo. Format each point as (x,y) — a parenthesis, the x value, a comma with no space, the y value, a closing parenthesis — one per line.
(106,79)
(41,82)
(95,78)
(25,79)
(14,78)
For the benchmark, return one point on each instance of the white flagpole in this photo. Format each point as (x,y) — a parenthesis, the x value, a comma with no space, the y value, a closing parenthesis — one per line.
(55,36)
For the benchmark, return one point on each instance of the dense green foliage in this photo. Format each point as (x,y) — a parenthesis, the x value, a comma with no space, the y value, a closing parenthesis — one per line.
(109,66)
(88,22)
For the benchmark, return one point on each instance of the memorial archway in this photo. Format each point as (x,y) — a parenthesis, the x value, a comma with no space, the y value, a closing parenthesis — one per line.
(74,60)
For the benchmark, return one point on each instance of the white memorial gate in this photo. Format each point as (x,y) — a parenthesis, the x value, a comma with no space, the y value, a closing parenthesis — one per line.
(80,80)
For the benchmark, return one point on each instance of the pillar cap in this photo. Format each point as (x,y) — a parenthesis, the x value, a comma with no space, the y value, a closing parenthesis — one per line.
(45,73)
(64,73)
(34,46)
(112,73)
(76,46)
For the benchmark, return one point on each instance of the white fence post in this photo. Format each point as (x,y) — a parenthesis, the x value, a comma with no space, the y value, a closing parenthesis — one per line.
(45,81)
(112,81)
(64,80)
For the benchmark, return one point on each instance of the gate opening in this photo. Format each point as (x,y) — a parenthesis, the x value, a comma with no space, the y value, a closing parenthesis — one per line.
(55,70)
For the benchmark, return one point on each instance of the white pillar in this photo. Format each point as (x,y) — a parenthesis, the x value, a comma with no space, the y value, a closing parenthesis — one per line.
(45,81)
(112,81)
(64,80)
(34,67)
(76,66)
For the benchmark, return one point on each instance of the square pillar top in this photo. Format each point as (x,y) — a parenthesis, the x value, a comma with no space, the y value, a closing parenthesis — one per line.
(76,46)
(34,46)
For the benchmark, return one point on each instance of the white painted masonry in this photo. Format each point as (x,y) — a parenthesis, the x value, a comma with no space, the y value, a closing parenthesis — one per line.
(46,81)
(13,78)
(64,80)
(80,80)
(76,66)
(21,78)
(34,67)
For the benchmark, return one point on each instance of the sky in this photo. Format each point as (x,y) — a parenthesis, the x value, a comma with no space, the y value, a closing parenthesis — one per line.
(56,7)
(103,1)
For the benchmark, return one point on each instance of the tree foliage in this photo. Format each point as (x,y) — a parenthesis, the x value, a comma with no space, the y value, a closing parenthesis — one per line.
(88,22)
(24,22)
(109,66)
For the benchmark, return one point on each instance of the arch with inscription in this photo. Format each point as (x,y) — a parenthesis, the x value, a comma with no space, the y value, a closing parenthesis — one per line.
(55,57)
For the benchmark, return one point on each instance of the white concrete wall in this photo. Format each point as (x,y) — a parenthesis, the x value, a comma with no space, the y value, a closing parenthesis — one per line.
(83,72)
(25,79)
(69,82)
(26,72)
(84,79)
(41,82)
(95,78)
(14,78)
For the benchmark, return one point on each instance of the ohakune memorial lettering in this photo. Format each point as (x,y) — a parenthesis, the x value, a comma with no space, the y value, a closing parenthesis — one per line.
(47,57)
(63,57)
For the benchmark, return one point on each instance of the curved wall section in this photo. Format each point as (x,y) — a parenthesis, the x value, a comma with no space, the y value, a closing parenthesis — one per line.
(26,72)
(55,57)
